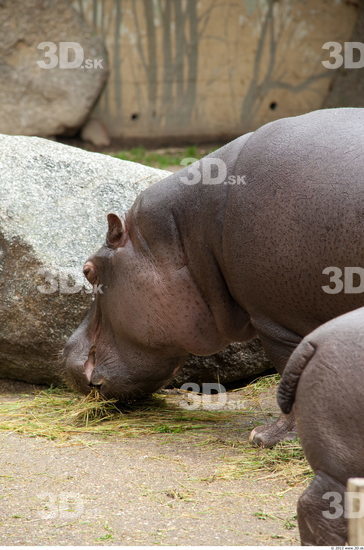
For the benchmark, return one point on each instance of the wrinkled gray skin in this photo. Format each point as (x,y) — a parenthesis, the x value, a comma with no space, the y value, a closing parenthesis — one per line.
(323,382)
(195,267)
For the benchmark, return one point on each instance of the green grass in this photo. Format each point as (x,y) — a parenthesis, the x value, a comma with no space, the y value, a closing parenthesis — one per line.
(108,535)
(161,159)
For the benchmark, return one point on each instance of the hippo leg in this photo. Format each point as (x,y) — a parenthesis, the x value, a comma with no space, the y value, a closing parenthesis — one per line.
(270,434)
(278,344)
(317,513)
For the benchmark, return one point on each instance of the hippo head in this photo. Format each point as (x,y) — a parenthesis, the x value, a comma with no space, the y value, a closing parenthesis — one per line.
(146,317)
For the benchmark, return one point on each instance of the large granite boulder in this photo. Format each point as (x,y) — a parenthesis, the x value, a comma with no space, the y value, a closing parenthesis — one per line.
(53,205)
(47,101)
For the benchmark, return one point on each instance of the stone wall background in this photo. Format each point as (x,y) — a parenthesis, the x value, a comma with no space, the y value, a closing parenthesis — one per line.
(202,70)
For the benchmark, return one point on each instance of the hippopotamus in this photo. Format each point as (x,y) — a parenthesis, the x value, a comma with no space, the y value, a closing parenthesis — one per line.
(254,239)
(323,382)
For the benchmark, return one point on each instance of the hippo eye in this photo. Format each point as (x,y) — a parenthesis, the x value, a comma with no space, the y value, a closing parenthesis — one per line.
(89,272)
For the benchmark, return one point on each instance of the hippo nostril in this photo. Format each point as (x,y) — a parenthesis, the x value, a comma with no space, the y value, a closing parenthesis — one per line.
(96,386)
(89,364)
(96,383)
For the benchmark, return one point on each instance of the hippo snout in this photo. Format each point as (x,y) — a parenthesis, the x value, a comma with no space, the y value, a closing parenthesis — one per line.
(97,382)
(120,367)
(74,376)
(97,385)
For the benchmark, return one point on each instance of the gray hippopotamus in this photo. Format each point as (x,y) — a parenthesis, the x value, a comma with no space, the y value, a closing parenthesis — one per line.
(324,383)
(254,239)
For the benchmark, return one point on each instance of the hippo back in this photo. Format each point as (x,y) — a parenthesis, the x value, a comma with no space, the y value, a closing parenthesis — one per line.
(300,211)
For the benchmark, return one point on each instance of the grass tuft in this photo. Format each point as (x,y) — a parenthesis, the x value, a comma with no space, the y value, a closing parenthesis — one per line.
(259,386)
(285,461)
(59,414)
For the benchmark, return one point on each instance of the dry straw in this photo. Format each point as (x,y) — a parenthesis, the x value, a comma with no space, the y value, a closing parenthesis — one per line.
(70,419)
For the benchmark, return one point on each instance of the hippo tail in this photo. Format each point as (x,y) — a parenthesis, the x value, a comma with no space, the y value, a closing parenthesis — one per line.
(291,375)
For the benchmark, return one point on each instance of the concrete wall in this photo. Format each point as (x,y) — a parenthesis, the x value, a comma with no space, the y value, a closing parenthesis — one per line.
(347,87)
(209,69)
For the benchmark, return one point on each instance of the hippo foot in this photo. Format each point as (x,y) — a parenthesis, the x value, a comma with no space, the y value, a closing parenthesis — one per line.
(317,521)
(272,433)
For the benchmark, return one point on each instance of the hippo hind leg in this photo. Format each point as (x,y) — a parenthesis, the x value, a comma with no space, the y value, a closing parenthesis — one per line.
(321,516)
(278,344)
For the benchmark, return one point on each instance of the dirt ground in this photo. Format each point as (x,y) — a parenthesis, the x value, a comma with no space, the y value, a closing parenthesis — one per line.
(160,489)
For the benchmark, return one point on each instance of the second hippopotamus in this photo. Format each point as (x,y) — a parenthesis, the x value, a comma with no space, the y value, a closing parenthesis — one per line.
(323,383)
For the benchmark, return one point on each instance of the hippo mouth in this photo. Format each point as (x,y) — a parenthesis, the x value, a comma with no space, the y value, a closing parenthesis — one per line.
(111,380)
(121,370)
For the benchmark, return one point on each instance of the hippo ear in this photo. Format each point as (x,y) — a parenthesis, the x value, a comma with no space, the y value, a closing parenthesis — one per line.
(117,233)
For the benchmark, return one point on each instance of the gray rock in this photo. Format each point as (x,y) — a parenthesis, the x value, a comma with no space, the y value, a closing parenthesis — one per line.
(95,132)
(38,101)
(236,363)
(53,205)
